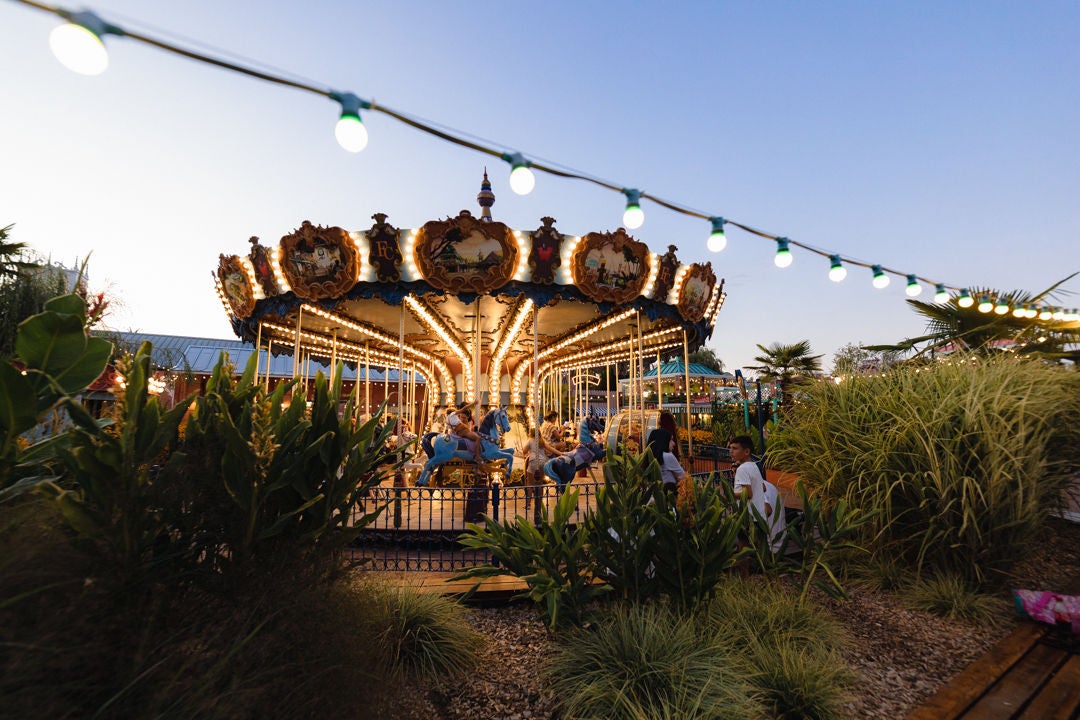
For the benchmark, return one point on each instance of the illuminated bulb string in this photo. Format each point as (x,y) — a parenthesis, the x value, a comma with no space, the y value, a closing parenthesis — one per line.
(90,30)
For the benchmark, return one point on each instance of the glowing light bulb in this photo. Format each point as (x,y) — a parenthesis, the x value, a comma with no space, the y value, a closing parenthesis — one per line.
(913,288)
(350,131)
(985,305)
(881,280)
(1020,311)
(1002,307)
(522,180)
(633,217)
(1046,313)
(717,239)
(940,295)
(1030,312)
(783,254)
(837,271)
(78,45)
(1058,314)
(965,300)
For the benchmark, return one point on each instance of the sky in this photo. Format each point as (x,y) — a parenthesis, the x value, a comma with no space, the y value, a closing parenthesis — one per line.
(937,138)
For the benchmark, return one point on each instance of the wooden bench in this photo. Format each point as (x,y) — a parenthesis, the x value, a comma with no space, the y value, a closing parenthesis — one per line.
(1031,674)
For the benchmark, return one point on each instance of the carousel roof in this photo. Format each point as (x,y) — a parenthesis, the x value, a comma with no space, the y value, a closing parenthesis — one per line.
(468,302)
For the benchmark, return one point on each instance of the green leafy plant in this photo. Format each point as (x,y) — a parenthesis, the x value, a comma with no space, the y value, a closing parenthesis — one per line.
(953,597)
(550,557)
(423,635)
(58,360)
(645,661)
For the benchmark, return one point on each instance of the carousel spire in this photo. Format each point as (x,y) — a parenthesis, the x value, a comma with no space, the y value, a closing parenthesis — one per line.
(486,198)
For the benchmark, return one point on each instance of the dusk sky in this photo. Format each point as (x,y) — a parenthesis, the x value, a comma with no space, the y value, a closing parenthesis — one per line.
(936,138)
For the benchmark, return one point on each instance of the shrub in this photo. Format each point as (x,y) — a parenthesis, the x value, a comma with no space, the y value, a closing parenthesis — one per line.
(423,636)
(952,597)
(645,661)
(957,463)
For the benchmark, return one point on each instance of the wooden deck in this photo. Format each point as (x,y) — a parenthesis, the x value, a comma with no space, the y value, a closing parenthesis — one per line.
(1031,674)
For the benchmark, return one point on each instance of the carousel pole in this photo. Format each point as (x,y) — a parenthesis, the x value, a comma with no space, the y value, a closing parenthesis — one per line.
(659,387)
(258,344)
(630,380)
(686,384)
(607,389)
(269,354)
(476,364)
(641,368)
(386,385)
(333,357)
(367,378)
(401,366)
(296,343)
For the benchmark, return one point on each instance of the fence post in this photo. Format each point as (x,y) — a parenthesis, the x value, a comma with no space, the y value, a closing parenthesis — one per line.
(496,487)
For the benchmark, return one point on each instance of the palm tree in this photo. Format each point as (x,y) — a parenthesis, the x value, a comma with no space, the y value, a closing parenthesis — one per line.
(788,365)
(968,328)
(10,255)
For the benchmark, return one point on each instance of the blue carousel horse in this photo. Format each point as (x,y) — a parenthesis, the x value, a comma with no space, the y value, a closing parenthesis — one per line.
(441,449)
(587,427)
(561,469)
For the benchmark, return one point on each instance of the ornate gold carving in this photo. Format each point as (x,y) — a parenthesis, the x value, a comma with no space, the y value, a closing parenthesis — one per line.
(697,287)
(237,285)
(546,254)
(665,275)
(384,253)
(319,262)
(264,271)
(610,266)
(463,254)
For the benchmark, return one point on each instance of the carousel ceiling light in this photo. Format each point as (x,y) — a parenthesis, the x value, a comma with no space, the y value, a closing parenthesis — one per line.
(522,180)
(1002,307)
(79,45)
(633,217)
(913,289)
(965,300)
(985,305)
(837,271)
(881,280)
(940,295)
(350,131)
(783,253)
(717,240)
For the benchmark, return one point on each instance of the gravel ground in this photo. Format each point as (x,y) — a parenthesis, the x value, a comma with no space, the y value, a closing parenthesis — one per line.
(900,656)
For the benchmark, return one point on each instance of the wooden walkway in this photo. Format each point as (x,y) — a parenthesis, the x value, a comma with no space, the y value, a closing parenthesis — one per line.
(1031,674)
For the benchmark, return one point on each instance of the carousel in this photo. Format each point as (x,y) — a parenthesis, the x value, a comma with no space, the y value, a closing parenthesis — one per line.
(466,310)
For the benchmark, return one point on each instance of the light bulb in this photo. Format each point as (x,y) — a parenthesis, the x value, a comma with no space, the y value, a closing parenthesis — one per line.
(1002,307)
(1058,314)
(1046,313)
(351,133)
(940,296)
(913,288)
(965,300)
(522,180)
(837,271)
(783,255)
(1030,312)
(633,217)
(881,280)
(985,305)
(79,49)
(1020,311)
(717,240)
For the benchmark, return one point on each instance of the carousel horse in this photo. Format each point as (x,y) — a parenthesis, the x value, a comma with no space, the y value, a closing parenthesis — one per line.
(441,449)
(562,469)
(587,427)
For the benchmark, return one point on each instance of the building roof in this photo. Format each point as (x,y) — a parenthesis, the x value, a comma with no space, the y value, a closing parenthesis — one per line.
(198,356)
(675,369)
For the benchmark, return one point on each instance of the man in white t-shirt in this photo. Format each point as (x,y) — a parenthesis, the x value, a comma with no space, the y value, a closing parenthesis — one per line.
(761,493)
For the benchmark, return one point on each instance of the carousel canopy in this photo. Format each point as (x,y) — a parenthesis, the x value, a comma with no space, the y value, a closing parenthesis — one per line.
(466,301)
(676,370)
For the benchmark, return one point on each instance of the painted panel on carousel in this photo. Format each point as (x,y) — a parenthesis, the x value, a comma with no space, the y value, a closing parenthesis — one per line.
(264,271)
(665,276)
(611,267)
(384,252)
(463,254)
(546,255)
(236,284)
(319,262)
(697,287)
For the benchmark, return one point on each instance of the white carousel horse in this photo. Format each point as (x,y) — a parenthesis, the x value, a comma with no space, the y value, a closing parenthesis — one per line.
(441,449)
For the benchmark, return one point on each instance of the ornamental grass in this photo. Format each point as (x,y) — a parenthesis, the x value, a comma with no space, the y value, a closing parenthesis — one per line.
(959,463)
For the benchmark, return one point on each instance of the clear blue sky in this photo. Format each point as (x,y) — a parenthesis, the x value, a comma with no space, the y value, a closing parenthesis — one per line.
(939,138)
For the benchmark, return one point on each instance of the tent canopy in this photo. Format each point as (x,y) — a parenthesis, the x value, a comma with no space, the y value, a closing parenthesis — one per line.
(675,370)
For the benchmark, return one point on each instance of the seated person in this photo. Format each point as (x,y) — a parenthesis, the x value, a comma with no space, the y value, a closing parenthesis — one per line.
(551,432)
(537,452)
(460,423)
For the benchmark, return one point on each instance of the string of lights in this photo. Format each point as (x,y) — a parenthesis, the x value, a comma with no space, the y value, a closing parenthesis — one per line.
(79,45)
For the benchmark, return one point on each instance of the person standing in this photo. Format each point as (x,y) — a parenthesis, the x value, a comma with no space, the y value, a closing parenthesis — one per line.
(761,493)
(662,445)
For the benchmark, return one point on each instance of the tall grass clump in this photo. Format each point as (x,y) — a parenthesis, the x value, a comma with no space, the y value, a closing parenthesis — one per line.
(784,645)
(958,463)
(645,661)
(954,598)
(423,635)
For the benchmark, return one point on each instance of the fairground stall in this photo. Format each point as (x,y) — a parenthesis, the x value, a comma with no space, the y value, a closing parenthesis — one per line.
(467,309)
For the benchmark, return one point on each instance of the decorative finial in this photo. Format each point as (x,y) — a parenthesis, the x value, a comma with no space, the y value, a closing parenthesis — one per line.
(486,198)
